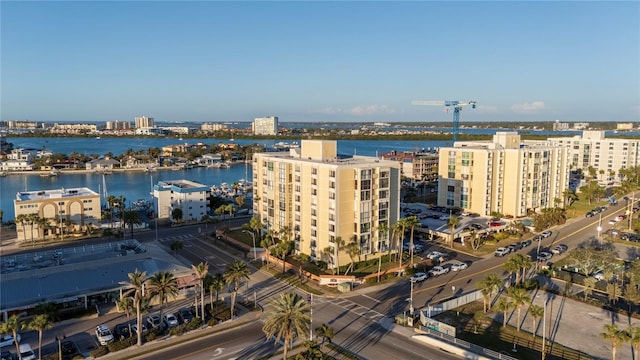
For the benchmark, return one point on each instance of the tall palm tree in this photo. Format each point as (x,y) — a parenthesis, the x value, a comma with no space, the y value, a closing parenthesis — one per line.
(287,317)
(396,228)
(12,326)
(488,285)
(525,263)
(131,218)
(22,220)
(136,283)
(503,305)
(512,266)
(126,305)
(616,336)
(32,219)
(40,323)
(163,285)
(519,297)
(634,340)
(234,274)
(402,225)
(452,223)
(589,284)
(43,224)
(339,241)
(537,312)
(411,222)
(216,283)
(201,271)
(325,332)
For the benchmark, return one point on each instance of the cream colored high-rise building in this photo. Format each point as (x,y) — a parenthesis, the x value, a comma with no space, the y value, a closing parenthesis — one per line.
(506,175)
(319,197)
(75,208)
(144,122)
(265,125)
(606,156)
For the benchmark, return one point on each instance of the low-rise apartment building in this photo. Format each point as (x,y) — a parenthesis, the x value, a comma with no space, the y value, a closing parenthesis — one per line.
(188,196)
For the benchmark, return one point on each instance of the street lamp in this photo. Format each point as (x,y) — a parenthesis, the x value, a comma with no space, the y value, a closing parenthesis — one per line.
(599,228)
(411,298)
(253,236)
(544,332)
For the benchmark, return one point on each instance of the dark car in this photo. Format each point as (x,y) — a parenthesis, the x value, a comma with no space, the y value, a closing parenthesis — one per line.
(6,355)
(122,331)
(69,350)
(589,214)
(185,315)
(526,243)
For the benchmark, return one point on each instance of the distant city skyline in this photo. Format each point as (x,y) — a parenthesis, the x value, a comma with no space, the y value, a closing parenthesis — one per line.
(320,61)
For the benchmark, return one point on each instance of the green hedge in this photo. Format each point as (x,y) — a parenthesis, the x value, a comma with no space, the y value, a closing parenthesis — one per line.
(101,351)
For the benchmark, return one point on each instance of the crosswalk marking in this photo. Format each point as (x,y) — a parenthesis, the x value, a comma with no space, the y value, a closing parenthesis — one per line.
(351,306)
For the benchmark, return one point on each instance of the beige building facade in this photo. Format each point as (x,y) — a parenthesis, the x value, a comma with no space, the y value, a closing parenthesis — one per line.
(506,176)
(80,206)
(320,197)
(606,155)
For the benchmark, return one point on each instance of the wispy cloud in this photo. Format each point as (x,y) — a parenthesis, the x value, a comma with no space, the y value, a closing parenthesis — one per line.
(360,110)
(528,108)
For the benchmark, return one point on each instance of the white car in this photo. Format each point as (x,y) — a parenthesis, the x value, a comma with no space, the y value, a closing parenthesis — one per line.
(438,270)
(170,319)
(104,334)
(459,266)
(545,234)
(7,340)
(418,277)
(434,255)
(154,320)
(134,327)
(501,251)
(598,275)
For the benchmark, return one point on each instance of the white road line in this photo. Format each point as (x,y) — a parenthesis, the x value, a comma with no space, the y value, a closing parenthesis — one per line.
(370,298)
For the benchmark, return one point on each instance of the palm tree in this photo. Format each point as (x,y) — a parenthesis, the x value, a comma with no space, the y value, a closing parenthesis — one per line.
(43,224)
(325,332)
(452,223)
(235,273)
(201,271)
(519,297)
(163,285)
(176,245)
(287,317)
(22,220)
(634,340)
(616,336)
(255,225)
(12,326)
(589,284)
(400,225)
(136,284)
(512,267)
(131,218)
(126,305)
(488,285)
(411,222)
(216,283)
(339,245)
(503,305)
(352,250)
(32,219)
(537,312)
(40,323)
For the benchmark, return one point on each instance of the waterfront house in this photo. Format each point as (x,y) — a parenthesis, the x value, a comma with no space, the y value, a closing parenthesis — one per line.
(102,164)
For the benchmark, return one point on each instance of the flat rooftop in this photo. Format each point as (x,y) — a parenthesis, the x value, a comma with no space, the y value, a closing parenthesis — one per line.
(67,274)
(178,185)
(54,194)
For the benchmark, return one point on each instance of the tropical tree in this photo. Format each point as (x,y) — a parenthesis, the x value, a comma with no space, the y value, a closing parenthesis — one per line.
(40,323)
(616,336)
(339,245)
(353,250)
(634,340)
(281,251)
(163,285)
(503,305)
(13,325)
(452,223)
(589,285)
(519,297)
(131,218)
(311,351)
(411,222)
(125,305)
(176,245)
(569,196)
(22,219)
(399,228)
(234,275)
(176,215)
(201,270)
(512,266)
(631,294)
(325,332)
(488,285)
(613,291)
(537,312)
(215,283)
(136,284)
(287,317)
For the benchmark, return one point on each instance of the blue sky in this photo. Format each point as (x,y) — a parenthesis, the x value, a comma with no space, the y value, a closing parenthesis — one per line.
(319,61)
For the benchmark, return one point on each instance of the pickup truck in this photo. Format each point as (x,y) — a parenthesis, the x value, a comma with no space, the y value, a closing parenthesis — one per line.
(438,270)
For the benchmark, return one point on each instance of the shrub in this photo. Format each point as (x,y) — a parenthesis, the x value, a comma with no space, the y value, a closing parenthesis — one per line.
(153,334)
(211,322)
(531,284)
(195,323)
(322,265)
(122,344)
(177,331)
(100,351)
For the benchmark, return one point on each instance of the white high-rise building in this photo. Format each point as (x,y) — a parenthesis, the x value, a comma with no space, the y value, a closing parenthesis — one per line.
(265,126)
(144,122)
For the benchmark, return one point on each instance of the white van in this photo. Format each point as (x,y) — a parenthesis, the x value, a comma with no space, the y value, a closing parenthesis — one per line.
(26,353)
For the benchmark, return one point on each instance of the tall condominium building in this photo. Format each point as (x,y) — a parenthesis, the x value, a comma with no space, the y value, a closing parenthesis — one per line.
(506,175)
(117,125)
(265,125)
(607,156)
(77,206)
(210,127)
(188,196)
(419,166)
(144,122)
(316,197)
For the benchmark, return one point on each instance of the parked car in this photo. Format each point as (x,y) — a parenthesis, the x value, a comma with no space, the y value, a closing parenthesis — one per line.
(185,314)
(170,319)
(69,350)
(26,353)
(501,251)
(438,270)
(589,213)
(559,249)
(495,223)
(544,256)
(459,266)
(598,275)
(418,248)
(512,248)
(154,321)
(545,234)
(104,334)
(526,243)
(7,340)
(418,277)
(434,255)
(6,355)
(444,218)
(134,328)
(122,331)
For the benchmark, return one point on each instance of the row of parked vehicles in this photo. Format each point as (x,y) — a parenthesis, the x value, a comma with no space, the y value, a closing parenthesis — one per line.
(121,331)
